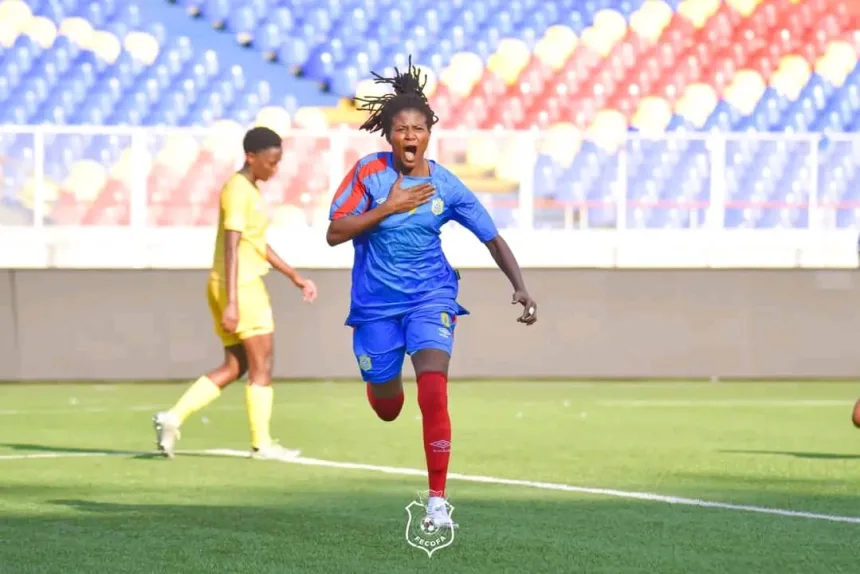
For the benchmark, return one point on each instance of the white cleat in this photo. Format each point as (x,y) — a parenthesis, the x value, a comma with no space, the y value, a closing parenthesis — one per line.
(166,432)
(274,451)
(438,513)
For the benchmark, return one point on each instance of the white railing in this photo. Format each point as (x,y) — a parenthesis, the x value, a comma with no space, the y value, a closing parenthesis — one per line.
(636,201)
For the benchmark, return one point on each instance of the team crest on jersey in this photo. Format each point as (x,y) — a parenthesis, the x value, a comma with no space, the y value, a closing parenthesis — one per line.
(446,319)
(437,206)
(364,363)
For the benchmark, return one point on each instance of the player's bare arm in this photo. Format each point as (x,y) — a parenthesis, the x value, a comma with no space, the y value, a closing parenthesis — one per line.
(507,262)
(308,287)
(230,319)
(399,200)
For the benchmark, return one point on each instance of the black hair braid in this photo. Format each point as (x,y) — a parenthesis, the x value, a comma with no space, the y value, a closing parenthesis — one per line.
(408,94)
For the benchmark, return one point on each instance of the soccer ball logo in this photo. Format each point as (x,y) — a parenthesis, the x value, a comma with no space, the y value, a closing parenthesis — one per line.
(421,533)
(427,526)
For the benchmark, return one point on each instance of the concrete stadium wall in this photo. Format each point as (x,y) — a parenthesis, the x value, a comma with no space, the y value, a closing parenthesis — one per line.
(615,324)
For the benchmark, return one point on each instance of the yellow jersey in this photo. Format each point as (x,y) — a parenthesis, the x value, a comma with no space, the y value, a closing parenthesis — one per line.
(242,209)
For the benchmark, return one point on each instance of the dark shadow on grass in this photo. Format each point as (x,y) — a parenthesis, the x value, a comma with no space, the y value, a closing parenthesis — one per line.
(809,455)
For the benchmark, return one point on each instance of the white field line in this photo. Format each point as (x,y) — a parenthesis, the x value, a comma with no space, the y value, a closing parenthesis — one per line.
(717,403)
(112,409)
(632,495)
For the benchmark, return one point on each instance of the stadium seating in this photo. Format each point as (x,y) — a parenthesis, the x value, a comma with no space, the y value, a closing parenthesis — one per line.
(616,86)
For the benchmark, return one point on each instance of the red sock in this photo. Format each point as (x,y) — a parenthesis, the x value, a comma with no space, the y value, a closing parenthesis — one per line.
(433,401)
(386,408)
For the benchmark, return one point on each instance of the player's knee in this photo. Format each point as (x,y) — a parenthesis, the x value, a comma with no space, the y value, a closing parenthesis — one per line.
(260,371)
(386,399)
(388,416)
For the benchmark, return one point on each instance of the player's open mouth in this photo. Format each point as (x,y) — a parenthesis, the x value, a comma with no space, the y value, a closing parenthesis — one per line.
(409,152)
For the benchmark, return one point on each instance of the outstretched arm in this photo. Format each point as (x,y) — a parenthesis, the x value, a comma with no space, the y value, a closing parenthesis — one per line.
(504,258)
(507,262)
(469,213)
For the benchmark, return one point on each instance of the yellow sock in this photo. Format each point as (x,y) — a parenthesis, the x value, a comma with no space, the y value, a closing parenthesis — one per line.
(258,401)
(198,395)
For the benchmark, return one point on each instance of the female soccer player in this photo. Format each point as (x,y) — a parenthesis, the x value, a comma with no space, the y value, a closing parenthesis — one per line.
(240,304)
(392,205)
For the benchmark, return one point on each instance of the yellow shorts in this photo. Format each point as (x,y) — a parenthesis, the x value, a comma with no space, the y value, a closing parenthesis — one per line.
(255,310)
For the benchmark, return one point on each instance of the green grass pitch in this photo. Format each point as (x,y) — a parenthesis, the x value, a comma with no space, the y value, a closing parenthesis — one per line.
(80,494)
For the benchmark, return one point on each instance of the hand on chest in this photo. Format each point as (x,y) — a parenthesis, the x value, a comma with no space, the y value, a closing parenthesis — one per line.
(430,215)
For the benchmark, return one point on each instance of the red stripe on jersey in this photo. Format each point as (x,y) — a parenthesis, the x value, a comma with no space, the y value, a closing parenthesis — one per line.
(357,194)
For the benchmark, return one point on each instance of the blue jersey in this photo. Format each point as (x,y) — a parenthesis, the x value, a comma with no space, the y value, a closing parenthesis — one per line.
(399,265)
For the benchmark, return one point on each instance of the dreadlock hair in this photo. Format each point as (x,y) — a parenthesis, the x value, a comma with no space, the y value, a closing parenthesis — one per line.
(408,95)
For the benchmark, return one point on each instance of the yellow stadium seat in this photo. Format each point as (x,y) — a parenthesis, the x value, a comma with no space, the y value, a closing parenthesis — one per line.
(142,47)
(130,167)
(514,49)
(178,153)
(42,31)
(78,30)
(556,46)
(224,140)
(608,130)
(50,192)
(652,116)
(831,70)
(843,55)
(791,76)
(745,91)
(697,103)
(8,34)
(553,53)
(598,41)
(744,7)
(561,142)
(344,114)
(611,22)
(482,152)
(85,180)
(106,46)
(457,83)
(560,34)
(698,11)
(16,13)
(651,19)
(506,70)
(509,164)
(509,59)
(310,118)
(289,217)
(275,118)
(463,71)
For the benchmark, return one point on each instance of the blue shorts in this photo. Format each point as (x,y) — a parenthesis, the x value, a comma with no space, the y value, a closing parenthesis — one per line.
(380,346)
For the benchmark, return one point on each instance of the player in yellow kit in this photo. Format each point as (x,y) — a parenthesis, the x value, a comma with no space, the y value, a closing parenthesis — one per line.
(240,303)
